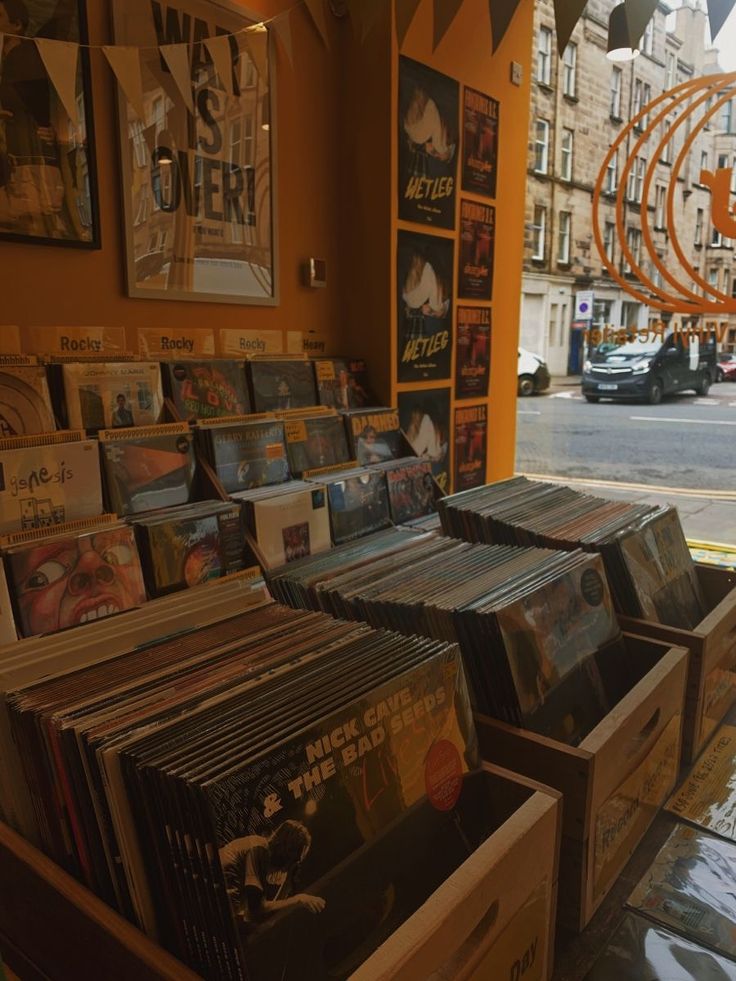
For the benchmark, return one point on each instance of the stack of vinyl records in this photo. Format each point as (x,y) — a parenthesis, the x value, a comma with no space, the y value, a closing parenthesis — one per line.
(260,793)
(649,566)
(287,521)
(536,627)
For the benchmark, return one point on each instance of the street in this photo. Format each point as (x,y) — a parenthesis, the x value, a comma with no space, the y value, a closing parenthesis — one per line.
(685,442)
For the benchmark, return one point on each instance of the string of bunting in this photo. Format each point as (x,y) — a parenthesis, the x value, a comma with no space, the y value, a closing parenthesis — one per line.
(61,58)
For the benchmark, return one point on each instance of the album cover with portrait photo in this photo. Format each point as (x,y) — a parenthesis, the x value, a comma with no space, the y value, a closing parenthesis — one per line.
(424,270)
(425,421)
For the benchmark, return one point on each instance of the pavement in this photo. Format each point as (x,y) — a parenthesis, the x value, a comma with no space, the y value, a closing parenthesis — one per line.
(707,516)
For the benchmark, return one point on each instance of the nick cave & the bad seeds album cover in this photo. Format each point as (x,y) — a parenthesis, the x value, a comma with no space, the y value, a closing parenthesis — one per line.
(471,441)
(480,142)
(201,389)
(475,263)
(424,295)
(428,144)
(473,354)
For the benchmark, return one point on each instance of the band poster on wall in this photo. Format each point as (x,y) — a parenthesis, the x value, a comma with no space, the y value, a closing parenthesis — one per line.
(196,153)
(473,352)
(475,259)
(424,417)
(48,188)
(428,144)
(480,143)
(424,291)
(471,440)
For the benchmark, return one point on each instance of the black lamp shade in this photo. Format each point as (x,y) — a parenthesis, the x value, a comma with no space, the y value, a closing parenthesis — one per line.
(620,47)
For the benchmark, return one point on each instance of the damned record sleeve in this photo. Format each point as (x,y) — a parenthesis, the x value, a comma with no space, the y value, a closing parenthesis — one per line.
(480,142)
(475,262)
(374,436)
(473,352)
(471,446)
(428,144)
(424,298)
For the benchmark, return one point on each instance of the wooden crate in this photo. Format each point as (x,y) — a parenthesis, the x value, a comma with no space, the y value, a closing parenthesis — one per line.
(498,908)
(615,781)
(711,685)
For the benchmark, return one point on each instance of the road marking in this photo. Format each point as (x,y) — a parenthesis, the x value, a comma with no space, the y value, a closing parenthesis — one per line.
(528,412)
(706,402)
(731,404)
(567,395)
(716,495)
(689,422)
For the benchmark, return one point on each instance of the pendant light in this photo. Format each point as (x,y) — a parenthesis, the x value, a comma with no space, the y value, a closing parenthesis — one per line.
(620,47)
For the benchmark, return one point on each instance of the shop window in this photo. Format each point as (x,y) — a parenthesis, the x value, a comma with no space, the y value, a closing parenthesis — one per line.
(563,241)
(566,151)
(541,147)
(539,231)
(569,70)
(630,314)
(544,56)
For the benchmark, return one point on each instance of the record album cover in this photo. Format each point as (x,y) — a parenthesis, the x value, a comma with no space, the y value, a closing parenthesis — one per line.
(342,384)
(424,269)
(47,481)
(410,490)
(315,441)
(69,579)
(112,395)
(471,446)
(291,525)
(249,454)
(202,389)
(428,141)
(358,505)
(374,436)
(480,142)
(707,796)
(282,384)
(425,420)
(25,402)
(475,260)
(473,352)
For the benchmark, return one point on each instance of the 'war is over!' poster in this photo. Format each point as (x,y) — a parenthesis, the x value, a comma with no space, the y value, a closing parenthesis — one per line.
(480,143)
(428,144)
(196,155)
(424,266)
(475,261)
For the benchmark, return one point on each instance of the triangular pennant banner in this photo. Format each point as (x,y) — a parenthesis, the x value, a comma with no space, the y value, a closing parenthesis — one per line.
(282,29)
(60,59)
(445,12)
(316,10)
(638,15)
(222,58)
(126,65)
(176,57)
(567,14)
(256,43)
(502,12)
(405,10)
(718,11)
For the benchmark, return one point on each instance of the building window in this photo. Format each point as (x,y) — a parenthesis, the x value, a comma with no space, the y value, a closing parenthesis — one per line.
(667,148)
(716,238)
(616,77)
(563,241)
(727,117)
(670,77)
(247,72)
(636,180)
(566,149)
(159,115)
(609,241)
(713,278)
(646,96)
(703,161)
(612,174)
(647,41)
(659,206)
(140,148)
(544,56)
(633,240)
(698,238)
(569,70)
(541,147)
(539,231)
(722,161)
(638,98)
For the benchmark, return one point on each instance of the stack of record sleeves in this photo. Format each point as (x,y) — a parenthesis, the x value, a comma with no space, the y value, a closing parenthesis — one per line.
(536,627)
(649,566)
(259,793)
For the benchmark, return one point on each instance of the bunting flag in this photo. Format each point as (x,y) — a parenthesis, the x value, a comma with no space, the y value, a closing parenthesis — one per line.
(567,14)
(256,44)
(638,15)
(445,12)
(316,10)
(718,11)
(502,12)
(61,59)
(176,57)
(126,65)
(282,29)
(221,54)
(405,10)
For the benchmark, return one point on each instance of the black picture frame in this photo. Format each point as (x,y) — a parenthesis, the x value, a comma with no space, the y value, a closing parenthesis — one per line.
(54,28)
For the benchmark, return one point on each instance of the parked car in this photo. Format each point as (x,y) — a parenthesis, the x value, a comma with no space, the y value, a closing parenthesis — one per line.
(648,370)
(726,367)
(533,373)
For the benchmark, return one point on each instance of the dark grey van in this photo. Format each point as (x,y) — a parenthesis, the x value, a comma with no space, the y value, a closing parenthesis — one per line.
(648,370)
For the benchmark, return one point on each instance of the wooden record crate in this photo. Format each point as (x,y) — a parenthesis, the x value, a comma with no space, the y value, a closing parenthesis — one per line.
(615,781)
(711,683)
(496,910)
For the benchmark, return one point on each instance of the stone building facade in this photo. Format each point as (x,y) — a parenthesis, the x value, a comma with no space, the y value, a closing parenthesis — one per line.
(580,103)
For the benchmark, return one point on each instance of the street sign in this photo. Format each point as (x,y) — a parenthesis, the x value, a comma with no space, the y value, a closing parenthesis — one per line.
(584,305)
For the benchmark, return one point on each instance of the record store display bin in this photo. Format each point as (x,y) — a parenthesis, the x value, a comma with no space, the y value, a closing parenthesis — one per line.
(614,782)
(711,684)
(496,911)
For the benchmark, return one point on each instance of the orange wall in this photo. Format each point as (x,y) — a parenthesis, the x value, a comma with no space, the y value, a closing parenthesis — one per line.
(42,285)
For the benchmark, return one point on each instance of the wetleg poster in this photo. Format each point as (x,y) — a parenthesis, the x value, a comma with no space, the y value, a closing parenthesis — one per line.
(424,294)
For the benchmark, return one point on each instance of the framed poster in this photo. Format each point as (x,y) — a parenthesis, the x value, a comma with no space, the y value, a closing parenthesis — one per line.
(197,165)
(424,265)
(424,416)
(428,144)
(473,354)
(471,441)
(48,186)
(480,142)
(475,261)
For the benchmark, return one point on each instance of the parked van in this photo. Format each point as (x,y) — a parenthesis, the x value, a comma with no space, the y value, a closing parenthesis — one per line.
(650,369)
(533,373)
